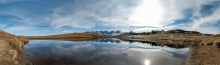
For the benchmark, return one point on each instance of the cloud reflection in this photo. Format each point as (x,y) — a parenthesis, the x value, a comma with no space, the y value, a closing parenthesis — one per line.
(96,53)
(147,62)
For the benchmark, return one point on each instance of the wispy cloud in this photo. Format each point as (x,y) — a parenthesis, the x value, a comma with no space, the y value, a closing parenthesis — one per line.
(125,15)
(84,14)
(208,23)
(22,18)
(12,1)
(175,10)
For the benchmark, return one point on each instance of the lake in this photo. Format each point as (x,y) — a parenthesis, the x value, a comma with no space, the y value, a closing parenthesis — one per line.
(102,52)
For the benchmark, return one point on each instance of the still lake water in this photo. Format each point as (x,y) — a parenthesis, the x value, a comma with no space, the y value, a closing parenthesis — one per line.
(55,52)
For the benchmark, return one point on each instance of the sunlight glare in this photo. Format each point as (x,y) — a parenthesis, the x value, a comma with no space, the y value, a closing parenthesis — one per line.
(146,62)
(148,14)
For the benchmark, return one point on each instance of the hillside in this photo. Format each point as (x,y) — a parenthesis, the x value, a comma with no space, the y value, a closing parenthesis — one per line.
(69,36)
(11,49)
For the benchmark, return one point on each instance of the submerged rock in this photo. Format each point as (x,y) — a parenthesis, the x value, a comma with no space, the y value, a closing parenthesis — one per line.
(11,49)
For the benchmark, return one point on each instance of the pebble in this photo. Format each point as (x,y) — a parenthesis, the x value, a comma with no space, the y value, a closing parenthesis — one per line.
(16,62)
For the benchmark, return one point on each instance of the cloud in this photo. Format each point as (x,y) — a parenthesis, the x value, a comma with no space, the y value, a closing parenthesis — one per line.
(30,31)
(2,26)
(21,30)
(20,17)
(207,24)
(88,14)
(12,1)
(125,15)
(176,10)
(148,13)
(119,14)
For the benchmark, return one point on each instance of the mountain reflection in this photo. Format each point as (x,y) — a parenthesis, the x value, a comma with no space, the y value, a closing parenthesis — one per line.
(172,44)
(168,43)
(146,42)
(112,40)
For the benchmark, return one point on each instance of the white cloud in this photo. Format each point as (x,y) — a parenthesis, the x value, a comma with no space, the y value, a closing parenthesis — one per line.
(76,20)
(149,13)
(174,10)
(120,15)
(74,49)
(80,14)
(30,31)
(206,23)
(23,18)
(18,28)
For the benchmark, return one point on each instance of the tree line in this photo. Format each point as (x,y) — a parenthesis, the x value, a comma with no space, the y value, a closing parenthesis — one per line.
(176,31)
(146,33)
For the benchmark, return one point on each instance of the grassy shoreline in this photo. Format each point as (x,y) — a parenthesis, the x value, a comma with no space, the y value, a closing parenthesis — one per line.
(67,37)
(203,51)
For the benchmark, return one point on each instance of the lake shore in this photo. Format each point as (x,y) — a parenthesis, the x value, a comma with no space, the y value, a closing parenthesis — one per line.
(204,50)
(203,55)
(67,37)
(11,49)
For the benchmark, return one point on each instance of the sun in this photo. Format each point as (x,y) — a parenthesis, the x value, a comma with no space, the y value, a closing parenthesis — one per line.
(149,13)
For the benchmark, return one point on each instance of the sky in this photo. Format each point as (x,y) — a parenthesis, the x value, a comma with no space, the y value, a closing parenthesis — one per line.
(48,17)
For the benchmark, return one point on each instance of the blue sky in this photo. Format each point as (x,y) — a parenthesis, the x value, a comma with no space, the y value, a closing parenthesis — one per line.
(46,17)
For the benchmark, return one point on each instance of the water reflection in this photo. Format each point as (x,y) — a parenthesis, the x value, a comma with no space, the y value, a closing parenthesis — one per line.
(174,45)
(168,43)
(50,52)
(112,40)
(147,62)
(147,42)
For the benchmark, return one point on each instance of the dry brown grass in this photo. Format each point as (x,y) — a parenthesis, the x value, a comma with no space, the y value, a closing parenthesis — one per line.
(203,55)
(201,40)
(204,50)
(69,37)
(217,35)
(11,48)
